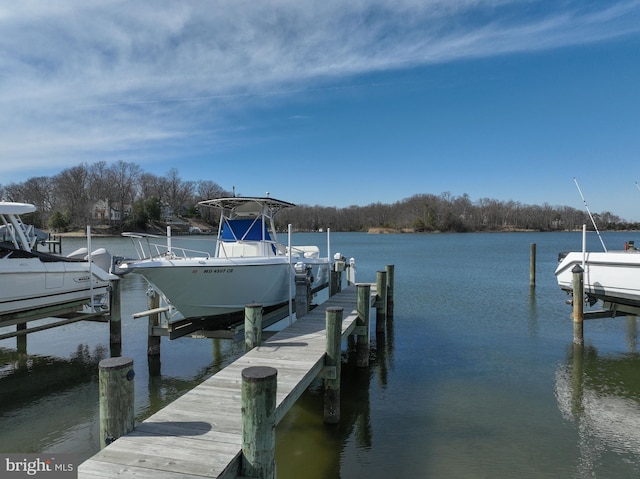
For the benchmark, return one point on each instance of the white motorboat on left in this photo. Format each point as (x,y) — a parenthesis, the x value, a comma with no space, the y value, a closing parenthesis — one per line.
(30,279)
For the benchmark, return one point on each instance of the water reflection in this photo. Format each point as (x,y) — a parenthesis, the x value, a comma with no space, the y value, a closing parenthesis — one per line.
(601,395)
(306,447)
(47,402)
(50,403)
(533,312)
(29,377)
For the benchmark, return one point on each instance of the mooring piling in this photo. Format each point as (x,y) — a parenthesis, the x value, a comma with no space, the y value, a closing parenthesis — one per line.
(381,301)
(259,385)
(578,304)
(115,379)
(252,326)
(115,319)
(362,331)
(333,319)
(335,282)
(153,341)
(303,290)
(532,265)
(390,270)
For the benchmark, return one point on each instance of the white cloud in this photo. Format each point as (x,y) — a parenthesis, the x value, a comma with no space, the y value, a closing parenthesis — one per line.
(80,79)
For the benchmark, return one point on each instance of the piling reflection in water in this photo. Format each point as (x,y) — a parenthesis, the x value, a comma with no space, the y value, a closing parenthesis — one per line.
(601,395)
(307,447)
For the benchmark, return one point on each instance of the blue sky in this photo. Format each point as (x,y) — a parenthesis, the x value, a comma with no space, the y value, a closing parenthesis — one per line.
(333,103)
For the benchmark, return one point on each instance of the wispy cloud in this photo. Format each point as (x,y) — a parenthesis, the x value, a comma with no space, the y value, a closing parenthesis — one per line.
(82,80)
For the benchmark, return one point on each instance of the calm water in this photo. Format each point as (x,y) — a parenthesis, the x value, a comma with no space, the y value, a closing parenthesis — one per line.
(475,377)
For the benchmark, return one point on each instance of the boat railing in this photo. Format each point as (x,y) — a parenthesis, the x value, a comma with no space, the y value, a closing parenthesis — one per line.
(145,248)
(304,251)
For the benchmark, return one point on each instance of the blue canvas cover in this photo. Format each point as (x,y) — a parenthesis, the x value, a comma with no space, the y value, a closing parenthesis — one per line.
(248,230)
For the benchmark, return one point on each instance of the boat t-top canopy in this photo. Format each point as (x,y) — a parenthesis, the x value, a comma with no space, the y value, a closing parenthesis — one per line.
(21,236)
(247,206)
(10,208)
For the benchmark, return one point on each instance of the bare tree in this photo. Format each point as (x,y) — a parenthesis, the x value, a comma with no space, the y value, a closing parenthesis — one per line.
(180,193)
(39,191)
(71,194)
(123,178)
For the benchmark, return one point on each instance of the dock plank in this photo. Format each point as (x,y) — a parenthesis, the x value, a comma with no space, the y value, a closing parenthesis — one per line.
(200,434)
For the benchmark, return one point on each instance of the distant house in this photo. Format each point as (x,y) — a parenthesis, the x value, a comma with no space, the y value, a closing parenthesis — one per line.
(167,215)
(103,212)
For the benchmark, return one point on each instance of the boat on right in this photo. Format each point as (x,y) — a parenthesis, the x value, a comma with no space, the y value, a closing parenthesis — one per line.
(611,276)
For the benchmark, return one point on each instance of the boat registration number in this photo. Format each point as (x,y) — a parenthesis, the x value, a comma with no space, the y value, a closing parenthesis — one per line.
(215,270)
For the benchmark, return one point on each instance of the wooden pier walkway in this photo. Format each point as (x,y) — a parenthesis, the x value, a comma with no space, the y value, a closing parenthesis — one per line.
(200,434)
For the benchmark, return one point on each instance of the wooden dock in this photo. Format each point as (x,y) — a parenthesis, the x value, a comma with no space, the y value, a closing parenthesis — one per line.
(200,434)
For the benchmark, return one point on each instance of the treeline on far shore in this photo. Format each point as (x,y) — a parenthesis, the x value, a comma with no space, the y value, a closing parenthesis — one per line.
(122,197)
(448,213)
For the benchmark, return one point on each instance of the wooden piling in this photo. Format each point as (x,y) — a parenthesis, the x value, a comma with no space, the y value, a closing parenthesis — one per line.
(303,292)
(115,319)
(363,307)
(578,304)
(390,269)
(381,301)
(252,326)
(153,341)
(532,265)
(21,339)
(116,398)
(335,282)
(333,320)
(259,384)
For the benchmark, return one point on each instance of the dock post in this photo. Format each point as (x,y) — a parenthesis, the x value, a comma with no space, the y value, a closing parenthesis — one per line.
(116,398)
(115,319)
(252,326)
(578,304)
(303,290)
(390,269)
(259,385)
(339,265)
(532,265)
(153,341)
(381,301)
(21,339)
(363,307)
(335,282)
(333,319)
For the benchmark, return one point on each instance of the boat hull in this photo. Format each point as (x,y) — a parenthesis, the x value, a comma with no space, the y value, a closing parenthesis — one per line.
(29,283)
(212,287)
(613,276)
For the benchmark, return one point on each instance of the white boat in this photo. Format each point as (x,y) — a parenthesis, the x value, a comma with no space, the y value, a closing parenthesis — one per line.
(249,265)
(610,276)
(30,280)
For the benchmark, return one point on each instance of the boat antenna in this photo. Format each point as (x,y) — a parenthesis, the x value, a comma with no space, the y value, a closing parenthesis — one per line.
(593,222)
